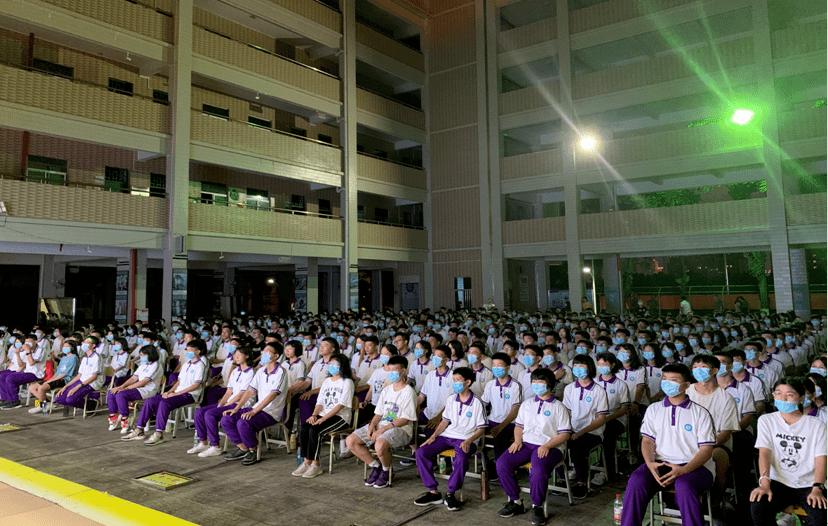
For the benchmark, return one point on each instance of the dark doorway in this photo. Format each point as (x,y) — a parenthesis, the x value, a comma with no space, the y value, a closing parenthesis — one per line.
(388,290)
(155,287)
(365,290)
(263,292)
(19,284)
(94,290)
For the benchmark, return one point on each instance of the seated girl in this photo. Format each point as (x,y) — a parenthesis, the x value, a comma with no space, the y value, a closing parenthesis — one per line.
(119,360)
(618,401)
(144,383)
(294,367)
(89,378)
(67,368)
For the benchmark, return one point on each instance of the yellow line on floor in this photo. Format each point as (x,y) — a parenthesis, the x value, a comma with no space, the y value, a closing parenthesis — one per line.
(84,501)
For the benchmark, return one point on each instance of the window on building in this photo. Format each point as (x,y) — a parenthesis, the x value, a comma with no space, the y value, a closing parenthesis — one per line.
(299,131)
(215,111)
(161,97)
(116,179)
(256,121)
(120,86)
(360,212)
(297,203)
(214,193)
(462,293)
(360,148)
(158,185)
(381,215)
(325,138)
(46,170)
(55,70)
(325,208)
(258,199)
(381,154)
(590,206)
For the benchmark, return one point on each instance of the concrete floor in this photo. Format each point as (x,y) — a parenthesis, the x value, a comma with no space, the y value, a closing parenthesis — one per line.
(227,493)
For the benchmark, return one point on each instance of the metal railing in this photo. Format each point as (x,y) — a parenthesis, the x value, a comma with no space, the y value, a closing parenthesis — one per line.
(408,165)
(261,208)
(133,190)
(392,99)
(390,223)
(260,127)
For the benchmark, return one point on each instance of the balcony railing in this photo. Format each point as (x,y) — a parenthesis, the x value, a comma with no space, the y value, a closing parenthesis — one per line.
(721,217)
(263,141)
(257,60)
(529,164)
(799,39)
(82,99)
(727,55)
(614,11)
(243,222)
(392,236)
(388,46)
(136,17)
(316,11)
(394,110)
(802,124)
(376,169)
(528,35)
(533,97)
(806,209)
(540,230)
(82,204)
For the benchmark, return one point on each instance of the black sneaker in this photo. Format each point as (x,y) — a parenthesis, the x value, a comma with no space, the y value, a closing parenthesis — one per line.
(579,491)
(511,509)
(428,498)
(538,516)
(250,458)
(237,454)
(12,405)
(452,504)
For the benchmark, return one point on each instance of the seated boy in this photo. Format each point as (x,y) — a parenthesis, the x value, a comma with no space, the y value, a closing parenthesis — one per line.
(504,393)
(391,427)
(677,441)
(464,421)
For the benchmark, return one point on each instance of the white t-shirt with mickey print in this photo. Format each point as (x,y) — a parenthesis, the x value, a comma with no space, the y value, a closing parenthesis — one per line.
(794,448)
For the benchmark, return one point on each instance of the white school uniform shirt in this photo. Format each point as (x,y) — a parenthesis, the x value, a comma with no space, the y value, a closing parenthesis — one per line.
(652,379)
(757,387)
(191,373)
(585,404)
(153,371)
(481,378)
(409,356)
(515,368)
(799,355)
(794,448)
(295,371)
(222,353)
(618,394)
(722,408)
(39,357)
(783,357)
(119,359)
(454,364)
(265,383)
(318,373)
(633,378)
(743,397)
(679,431)
(347,350)
(89,366)
(417,371)
(367,368)
(392,405)
(377,383)
(543,419)
(312,353)
(502,398)
(333,393)
(525,380)
(776,365)
(767,375)
(464,418)
(240,380)
(103,349)
(436,388)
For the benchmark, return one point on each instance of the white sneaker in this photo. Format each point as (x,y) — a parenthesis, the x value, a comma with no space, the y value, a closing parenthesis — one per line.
(786,519)
(571,474)
(198,448)
(124,426)
(300,471)
(35,410)
(114,423)
(212,451)
(599,479)
(314,471)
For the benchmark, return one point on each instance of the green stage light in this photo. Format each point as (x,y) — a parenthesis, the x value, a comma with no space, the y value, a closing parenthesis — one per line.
(742,116)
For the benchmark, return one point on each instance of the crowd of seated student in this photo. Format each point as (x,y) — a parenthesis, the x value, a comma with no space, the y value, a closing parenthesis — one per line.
(536,385)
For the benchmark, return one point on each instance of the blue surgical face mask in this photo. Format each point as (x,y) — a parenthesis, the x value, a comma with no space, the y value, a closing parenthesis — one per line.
(333,370)
(603,369)
(359,346)
(306,343)
(384,359)
(737,367)
(722,370)
(548,360)
(679,346)
(734,334)
(806,400)
(231,348)
(750,354)
(581,350)
(539,388)
(693,342)
(817,370)
(117,347)
(66,350)
(685,330)
(779,342)
(705,341)
(670,388)
(418,352)
(265,359)
(292,330)
(179,335)
(472,359)
(579,372)
(648,355)
(144,359)
(491,330)
(666,353)
(54,334)
(789,339)
(528,361)
(340,339)
(818,392)
(457,387)
(130,331)
(155,344)
(499,372)
(436,361)
(190,355)
(785,407)
(618,340)
(84,346)
(393,377)
(701,374)
(623,357)
(110,337)
(392,333)
(598,348)
(147,342)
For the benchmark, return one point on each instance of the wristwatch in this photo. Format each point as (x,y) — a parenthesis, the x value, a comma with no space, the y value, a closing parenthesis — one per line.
(820,486)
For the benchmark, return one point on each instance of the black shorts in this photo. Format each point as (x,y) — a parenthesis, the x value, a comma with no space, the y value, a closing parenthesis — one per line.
(57,384)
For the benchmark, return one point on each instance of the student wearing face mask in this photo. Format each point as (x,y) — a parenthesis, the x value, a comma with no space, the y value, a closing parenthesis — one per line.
(376,383)
(618,402)
(463,423)
(792,459)
(67,368)
(504,395)
(391,425)
(482,374)
(88,379)
(760,365)
(31,367)
(143,384)
(542,428)
(676,445)
(531,360)
(421,365)
(815,398)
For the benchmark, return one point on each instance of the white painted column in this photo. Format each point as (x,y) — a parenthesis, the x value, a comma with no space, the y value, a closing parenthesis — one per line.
(313,285)
(348,131)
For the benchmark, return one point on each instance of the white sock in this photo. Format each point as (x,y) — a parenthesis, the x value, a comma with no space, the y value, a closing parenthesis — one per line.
(386,468)
(374,464)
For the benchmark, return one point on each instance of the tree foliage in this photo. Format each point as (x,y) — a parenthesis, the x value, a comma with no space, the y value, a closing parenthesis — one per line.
(756,267)
(663,199)
(739,191)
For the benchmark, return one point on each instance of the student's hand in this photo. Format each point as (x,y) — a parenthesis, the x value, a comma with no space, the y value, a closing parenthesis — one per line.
(248,415)
(466,445)
(576,436)
(634,409)
(231,411)
(496,430)
(543,451)
(167,394)
(815,499)
(429,440)
(305,396)
(363,404)
(115,390)
(516,446)
(653,467)
(675,472)
(433,423)
(312,420)
(757,494)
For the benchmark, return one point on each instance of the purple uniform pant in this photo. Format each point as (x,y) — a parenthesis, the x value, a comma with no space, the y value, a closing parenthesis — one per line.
(10,384)
(642,486)
(213,395)
(503,439)
(161,407)
(538,476)
(75,400)
(306,408)
(427,454)
(241,431)
(119,402)
(207,421)
(579,454)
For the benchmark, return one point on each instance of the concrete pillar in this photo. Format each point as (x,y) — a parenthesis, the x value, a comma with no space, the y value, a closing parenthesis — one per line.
(228,291)
(799,283)
(140,271)
(612,286)
(313,285)
(541,284)
(300,290)
(495,142)
(47,278)
(376,289)
(178,162)
(349,264)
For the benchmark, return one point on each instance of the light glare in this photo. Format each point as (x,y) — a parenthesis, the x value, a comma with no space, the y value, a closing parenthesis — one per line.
(588,143)
(742,116)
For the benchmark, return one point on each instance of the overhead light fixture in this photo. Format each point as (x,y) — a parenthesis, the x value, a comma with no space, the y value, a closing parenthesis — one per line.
(271,281)
(588,143)
(587,270)
(128,57)
(221,256)
(742,116)
(257,95)
(88,250)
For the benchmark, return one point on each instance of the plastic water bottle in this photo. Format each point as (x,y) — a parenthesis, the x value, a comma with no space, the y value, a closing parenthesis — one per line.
(617,509)
(441,465)
(299,460)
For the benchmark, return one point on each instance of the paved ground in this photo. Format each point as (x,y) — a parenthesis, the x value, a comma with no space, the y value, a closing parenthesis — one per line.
(22,509)
(227,493)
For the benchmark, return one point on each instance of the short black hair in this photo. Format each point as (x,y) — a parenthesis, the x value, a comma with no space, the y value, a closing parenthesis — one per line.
(503,357)
(706,359)
(465,372)
(197,344)
(585,359)
(150,351)
(678,368)
(368,339)
(280,350)
(296,346)
(546,375)
(398,360)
